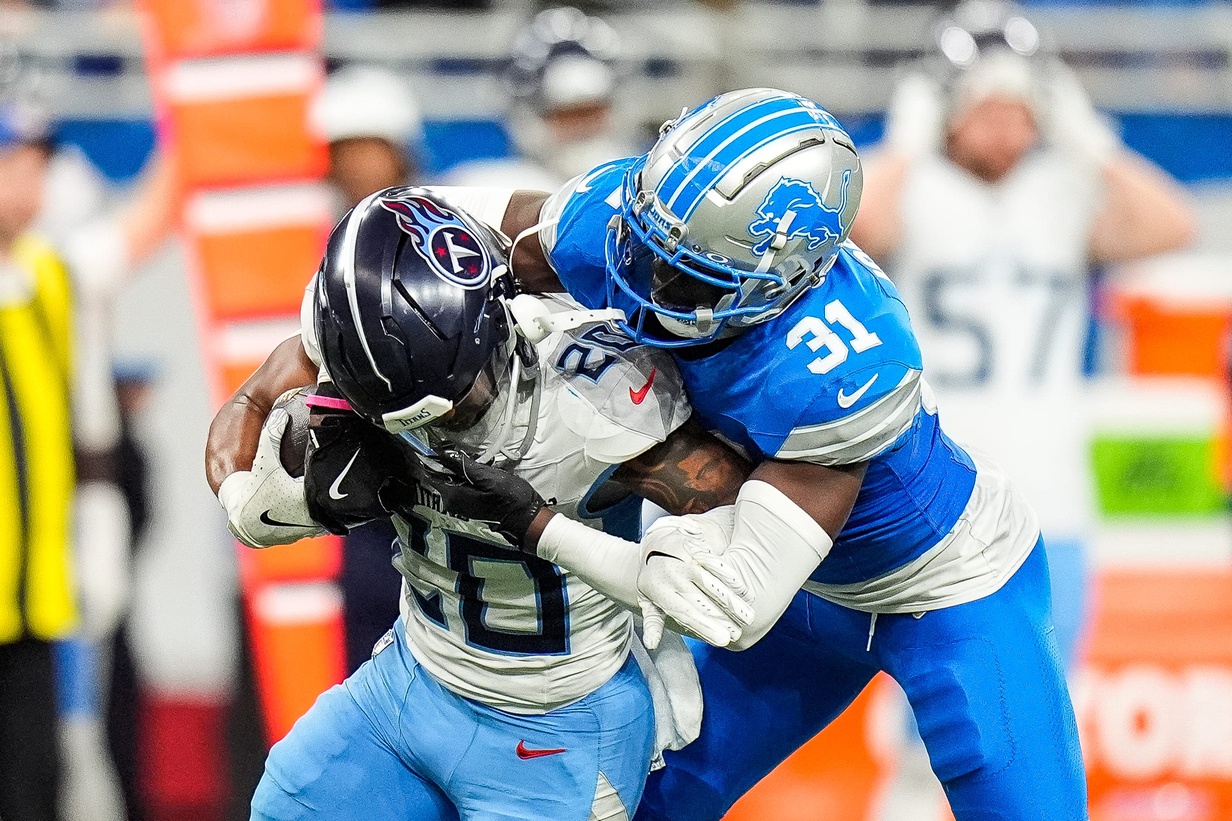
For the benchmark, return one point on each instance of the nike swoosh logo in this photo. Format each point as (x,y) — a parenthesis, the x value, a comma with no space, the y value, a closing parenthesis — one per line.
(654,553)
(639,396)
(266,518)
(527,754)
(846,401)
(333,489)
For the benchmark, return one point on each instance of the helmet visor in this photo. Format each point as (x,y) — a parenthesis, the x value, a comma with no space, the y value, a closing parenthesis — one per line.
(475,416)
(681,291)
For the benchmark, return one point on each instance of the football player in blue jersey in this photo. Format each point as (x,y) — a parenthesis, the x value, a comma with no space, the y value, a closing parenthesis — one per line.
(867,539)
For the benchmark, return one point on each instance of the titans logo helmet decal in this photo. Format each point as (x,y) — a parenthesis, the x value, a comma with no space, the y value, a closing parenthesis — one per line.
(450,248)
(795,209)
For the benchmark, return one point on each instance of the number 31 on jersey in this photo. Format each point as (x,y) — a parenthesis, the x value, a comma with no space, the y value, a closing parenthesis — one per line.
(820,336)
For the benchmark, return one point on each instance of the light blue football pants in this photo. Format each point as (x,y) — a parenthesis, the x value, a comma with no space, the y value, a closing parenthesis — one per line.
(391,744)
(984,680)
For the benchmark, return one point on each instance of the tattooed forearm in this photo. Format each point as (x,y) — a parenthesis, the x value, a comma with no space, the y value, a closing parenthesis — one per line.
(691,472)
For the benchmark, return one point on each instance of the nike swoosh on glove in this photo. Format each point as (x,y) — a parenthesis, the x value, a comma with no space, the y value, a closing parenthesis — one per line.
(683,578)
(354,472)
(265,505)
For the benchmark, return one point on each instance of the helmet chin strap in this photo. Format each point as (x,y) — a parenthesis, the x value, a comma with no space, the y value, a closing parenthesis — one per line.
(521,380)
(781,233)
(534,229)
(535,322)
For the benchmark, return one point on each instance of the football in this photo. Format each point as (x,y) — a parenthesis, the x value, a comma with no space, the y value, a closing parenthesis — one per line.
(295,437)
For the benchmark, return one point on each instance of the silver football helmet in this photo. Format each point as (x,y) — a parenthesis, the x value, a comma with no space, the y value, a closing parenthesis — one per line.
(740,207)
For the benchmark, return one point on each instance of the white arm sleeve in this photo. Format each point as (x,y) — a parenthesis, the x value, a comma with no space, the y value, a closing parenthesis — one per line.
(606,563)
(774,548)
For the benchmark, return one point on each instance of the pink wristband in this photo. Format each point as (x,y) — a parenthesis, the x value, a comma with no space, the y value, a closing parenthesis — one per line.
(331,402)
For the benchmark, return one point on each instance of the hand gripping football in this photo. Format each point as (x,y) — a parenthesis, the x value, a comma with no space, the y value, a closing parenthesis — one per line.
(295,437)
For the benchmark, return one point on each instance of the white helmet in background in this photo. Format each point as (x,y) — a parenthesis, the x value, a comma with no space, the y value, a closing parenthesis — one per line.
(366,101)
(564,76)
(990,48)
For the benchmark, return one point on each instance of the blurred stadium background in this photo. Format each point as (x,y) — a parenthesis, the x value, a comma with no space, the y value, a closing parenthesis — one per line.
(227,648)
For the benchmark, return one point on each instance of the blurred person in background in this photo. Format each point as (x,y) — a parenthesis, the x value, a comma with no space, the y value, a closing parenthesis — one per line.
(563,80)
(373,127)
(64,575)
(37,601)
(996,190)
(135,382)
(374,130)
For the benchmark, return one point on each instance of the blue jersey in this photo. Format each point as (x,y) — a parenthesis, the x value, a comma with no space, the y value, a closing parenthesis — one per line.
(834,379)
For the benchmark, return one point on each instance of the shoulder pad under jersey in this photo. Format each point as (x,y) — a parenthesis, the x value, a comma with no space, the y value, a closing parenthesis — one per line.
(574,233)
(621,397)
(852,367)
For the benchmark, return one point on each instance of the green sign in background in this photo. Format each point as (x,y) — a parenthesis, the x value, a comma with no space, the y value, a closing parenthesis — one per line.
(1156,475)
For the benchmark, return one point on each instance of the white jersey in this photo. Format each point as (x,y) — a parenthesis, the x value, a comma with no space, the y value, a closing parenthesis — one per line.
(516,632)
(498,626)
(995,279)
(509,172)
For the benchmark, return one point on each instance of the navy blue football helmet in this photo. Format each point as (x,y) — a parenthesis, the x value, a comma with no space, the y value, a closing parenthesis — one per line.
(413,327)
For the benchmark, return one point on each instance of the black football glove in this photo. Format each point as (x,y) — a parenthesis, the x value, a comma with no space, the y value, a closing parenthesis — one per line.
(470,490)
(354,471)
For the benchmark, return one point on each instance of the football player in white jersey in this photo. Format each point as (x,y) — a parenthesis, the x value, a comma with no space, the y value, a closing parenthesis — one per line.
(994,193)
(506,690)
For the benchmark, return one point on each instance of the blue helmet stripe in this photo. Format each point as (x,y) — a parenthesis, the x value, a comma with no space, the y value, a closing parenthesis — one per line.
(717,134)
(697,163)
(691,194)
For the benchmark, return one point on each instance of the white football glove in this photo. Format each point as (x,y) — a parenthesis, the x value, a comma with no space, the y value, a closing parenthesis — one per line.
(1071,122)
(265,505)
(915,119)
(684,579)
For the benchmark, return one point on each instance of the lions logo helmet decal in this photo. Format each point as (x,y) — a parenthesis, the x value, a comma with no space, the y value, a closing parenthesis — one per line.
(441,237)
(794,208)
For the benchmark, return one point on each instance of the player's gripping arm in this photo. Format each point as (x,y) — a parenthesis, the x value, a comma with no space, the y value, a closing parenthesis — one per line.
(264,504)
(793,506)
(689,471)
(771,540)
(232,442)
